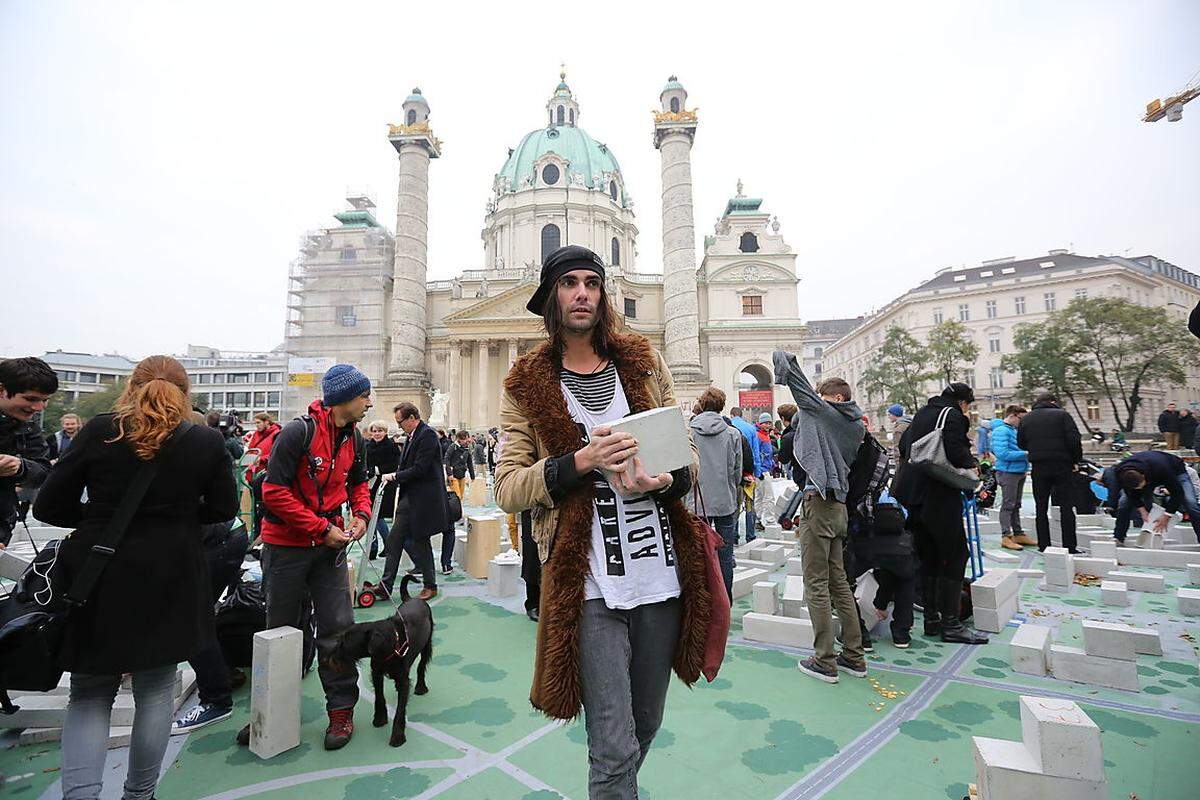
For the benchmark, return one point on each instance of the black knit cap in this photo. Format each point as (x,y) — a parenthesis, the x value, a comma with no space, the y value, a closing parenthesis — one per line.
(559,263)
(959,392)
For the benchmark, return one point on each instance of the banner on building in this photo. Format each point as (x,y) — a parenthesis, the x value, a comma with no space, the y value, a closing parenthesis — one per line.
(307,372)
(756,398)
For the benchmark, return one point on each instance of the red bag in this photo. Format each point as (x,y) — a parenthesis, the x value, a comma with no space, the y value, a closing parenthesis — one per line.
(718,622)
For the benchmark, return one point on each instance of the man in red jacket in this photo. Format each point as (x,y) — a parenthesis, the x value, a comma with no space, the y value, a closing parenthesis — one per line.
(304,534)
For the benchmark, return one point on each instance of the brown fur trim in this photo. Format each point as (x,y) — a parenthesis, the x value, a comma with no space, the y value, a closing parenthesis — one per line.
(534,383)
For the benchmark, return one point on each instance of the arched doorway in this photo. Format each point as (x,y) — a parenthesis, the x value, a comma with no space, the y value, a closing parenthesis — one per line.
(756,394)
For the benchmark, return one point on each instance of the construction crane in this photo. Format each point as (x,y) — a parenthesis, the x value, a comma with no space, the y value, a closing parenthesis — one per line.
(1172,107)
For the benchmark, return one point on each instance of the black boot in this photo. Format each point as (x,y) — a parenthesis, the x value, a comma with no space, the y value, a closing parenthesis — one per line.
(933,620)
(953,629)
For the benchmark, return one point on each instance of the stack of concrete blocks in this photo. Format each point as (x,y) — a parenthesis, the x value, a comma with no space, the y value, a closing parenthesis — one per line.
(42,714)
(994,599)
(744,579)
(795,566)
(1032,649)
(1059,757)
(761,555)
(1060,569)
(1108,657)
(793,598)
(1002,556)
(275,691)
(765,624)
(1114,593)
(504,575)
(1163,559)
(1189,602)
(1090,565)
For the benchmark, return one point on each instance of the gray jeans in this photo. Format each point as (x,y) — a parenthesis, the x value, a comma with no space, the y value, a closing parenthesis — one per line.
(289,573)
(85,733)
(1012,485)
(625,660)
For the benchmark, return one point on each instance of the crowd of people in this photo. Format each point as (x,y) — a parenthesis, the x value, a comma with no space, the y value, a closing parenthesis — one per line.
(615,566)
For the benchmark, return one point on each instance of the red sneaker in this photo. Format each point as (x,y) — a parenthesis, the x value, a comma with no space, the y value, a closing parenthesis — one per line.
(341,728)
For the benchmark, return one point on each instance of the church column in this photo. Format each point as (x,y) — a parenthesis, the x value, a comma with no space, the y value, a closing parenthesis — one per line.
(454,384)
(512,355)
(674,131)
(482,389)
(407,376)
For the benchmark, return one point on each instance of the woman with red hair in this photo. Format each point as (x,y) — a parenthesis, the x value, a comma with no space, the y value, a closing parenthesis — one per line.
(151,606)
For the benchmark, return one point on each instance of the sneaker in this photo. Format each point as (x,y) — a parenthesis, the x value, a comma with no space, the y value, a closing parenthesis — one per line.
(809,666)
(1008,543)
(200,715)
(243,736)
(1078,551)
(341,728)
(901,640)
(1024,540)
(447,570)
(1120,542)
(846,665)
(867,646)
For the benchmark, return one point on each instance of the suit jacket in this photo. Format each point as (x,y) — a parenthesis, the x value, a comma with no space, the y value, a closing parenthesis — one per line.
(421,481)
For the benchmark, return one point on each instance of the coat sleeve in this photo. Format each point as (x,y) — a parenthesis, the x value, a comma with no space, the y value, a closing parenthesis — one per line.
(954,439)
(1021,437)
(520,476)
(1004,445)
(278,495)
(1074,442)
(735,460)
(60,500)
(34,452)
(219,502)
(425,460)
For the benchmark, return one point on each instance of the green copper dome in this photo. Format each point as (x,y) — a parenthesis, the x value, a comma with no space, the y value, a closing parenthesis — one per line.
(583,154)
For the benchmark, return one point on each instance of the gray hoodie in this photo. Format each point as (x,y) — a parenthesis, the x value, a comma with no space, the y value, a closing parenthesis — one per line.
(828,435)
(720,448)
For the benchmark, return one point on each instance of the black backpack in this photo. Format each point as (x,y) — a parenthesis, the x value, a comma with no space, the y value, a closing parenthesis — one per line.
(868,477)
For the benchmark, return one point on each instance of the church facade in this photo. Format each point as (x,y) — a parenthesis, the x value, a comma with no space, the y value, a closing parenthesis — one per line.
(360,293)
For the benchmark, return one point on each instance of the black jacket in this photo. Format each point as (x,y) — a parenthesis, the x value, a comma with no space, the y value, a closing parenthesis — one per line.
(383,457)
(1160,468)
(458,461)
(1168,422)
(912,486)
(421,481)
(1187,430)
(1050,436)
(153,603)
(22,439)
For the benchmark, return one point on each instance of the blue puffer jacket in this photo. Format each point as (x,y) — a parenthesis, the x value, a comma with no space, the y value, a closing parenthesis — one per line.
(1009,457)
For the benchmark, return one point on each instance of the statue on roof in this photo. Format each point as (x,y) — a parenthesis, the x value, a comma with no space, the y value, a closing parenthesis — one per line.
(739,188)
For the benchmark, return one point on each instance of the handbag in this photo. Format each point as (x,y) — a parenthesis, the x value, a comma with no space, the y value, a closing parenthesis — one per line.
(34,616)
(929,452)
(717,634)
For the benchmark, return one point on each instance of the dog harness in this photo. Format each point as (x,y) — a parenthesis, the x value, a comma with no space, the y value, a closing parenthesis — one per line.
(401,648)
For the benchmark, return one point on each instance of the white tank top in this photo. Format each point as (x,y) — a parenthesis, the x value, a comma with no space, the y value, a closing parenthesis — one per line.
(632,558)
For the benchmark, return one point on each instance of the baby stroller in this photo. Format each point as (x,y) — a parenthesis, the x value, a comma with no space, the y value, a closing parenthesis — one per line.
(985,495)
(365,597)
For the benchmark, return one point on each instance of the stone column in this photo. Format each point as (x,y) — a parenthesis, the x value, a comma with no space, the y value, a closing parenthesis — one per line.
(512,354)
(454,385)
(673,138)
(481,388)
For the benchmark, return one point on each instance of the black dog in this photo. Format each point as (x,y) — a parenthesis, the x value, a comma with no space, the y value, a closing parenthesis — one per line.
(393,645)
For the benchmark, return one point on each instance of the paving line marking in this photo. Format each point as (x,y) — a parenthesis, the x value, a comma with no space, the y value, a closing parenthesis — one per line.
(324,774)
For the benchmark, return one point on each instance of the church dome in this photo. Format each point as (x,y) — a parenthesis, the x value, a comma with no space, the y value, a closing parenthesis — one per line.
(583,154)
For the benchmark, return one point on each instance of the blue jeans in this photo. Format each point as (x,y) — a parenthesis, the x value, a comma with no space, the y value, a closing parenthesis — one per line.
(381,534)
(1126,513)
(726,526)
(85,733)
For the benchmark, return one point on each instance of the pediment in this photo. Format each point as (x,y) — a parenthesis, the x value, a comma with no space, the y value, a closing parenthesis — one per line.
(749,272)
(508,305)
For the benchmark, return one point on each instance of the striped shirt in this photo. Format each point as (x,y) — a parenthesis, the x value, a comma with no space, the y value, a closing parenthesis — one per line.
(595,391)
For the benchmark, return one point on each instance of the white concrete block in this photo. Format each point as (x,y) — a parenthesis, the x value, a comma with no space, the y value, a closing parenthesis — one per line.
(1008,771)
(1193,574)
(1002,556)
(989,526)
(1189,602)
(504,576)
(864,595)
(1029,650)
(1095,520)
(1108,640)
(774,531)
(1062,738)
(1100,567)
(50,711)
(1146,641)
(753,563)
(795,566)
(662,438)
(1140,581)
(275,691)
(118,736)
(1149,540)
(777,630)
(766,597)
(744,580)
(12,566)
(1170,559)
(793,604)
(1072,664)
(1037,574)
(1113,593)
(994,619)
(460,547)
(1104,549)
(995,586)
(774,554)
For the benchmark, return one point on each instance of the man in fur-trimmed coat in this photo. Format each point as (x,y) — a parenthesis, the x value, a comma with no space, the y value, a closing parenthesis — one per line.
(624,597)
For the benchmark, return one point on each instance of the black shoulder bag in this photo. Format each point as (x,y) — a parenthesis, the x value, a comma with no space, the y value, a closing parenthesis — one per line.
(34,615)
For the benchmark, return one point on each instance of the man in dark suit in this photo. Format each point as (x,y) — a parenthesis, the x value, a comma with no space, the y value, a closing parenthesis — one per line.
(420,502)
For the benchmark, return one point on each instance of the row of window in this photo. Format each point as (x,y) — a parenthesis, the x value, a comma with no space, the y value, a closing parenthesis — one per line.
(551,174)
(242,400)
(995,378)
(72,376)
(237,377)
(552,240)
(1049,302)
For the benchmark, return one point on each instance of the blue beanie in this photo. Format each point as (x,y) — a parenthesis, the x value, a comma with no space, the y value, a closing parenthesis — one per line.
(343,383)
(896,410)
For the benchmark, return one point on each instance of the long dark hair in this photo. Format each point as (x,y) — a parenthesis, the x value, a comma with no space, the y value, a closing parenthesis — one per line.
(604,335)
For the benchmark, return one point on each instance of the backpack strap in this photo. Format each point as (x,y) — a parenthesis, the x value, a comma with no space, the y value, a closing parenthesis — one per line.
(97,558)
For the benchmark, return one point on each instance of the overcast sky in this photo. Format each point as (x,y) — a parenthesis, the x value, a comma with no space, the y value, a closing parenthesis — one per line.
(159,162)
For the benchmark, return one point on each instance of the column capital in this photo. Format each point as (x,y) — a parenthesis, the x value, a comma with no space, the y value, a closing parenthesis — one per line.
(667,125)
(417,134)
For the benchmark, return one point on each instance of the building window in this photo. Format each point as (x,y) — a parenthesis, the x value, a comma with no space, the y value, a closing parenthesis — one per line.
(990,305)
(612,190)
(1019,305)
(561,114)
(550,174)
(218,400)
(816,369)
(260,399)
(818,352)
(348,254)
(616,253)
(1081,294)
(346,317)
(968,377)
(994,344)
(674,105)
(239,377)
(89,377)
(260,377)
(964,312)
(996,378)
(276,377)
(238,399)
(937,316)
(572,116)
(630,308)
(273,399)
(1051,303)
(204,377)
(411,117)
(218,377)
(65,374)
(748,243)
(1093,409)
(752,305)
(551,238)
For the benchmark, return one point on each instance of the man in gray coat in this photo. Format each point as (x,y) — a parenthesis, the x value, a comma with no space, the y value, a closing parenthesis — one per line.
(720,449)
